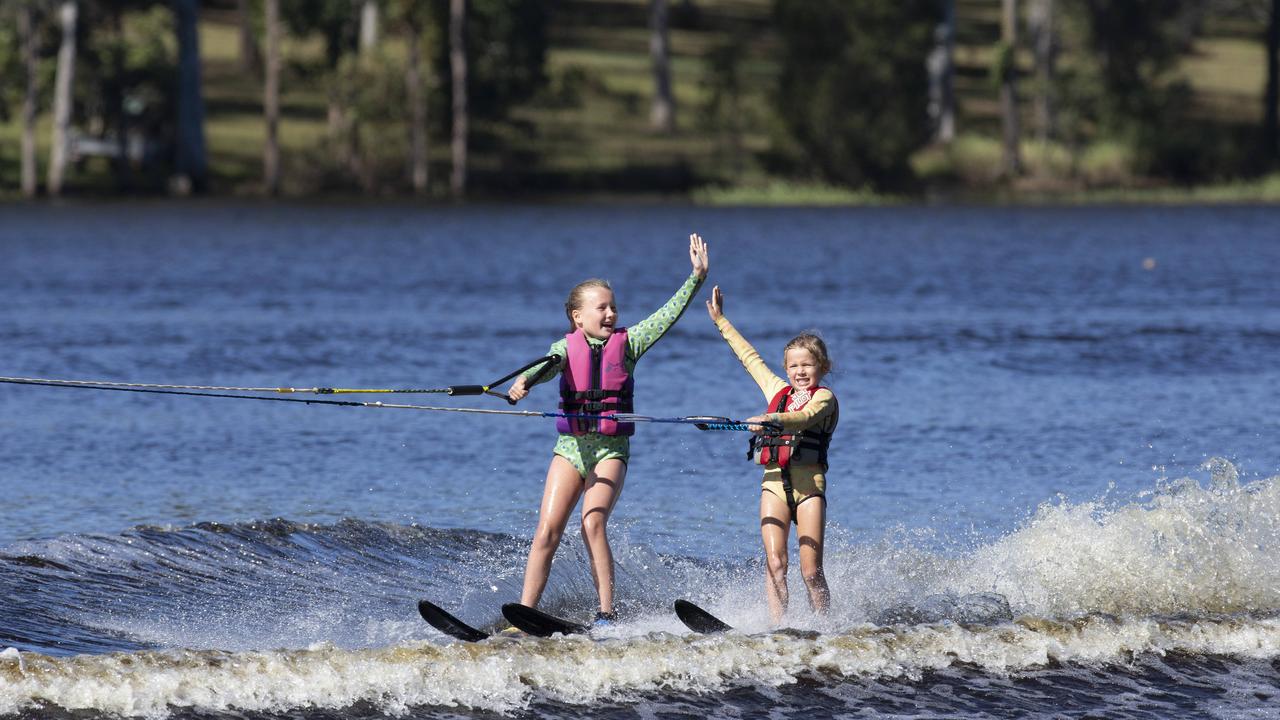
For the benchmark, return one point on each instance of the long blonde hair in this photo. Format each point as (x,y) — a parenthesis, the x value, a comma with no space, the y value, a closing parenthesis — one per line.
(810,341)
(575,297)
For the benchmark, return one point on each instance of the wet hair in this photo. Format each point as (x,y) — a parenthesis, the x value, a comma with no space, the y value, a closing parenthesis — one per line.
(809,340)
(576,297)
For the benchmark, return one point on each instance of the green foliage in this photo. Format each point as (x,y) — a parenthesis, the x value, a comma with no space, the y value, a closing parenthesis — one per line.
(1123,85)
(853,88)
(1128,52)
(335,20)
(725,113)
(12,75)
(126,72)
(1003,64)
(506,53)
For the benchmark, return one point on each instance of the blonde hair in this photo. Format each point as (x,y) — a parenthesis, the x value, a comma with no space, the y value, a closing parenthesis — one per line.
(575,297)
(810,341)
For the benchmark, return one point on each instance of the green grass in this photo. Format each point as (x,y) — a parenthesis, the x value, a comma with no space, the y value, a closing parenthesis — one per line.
(783,192)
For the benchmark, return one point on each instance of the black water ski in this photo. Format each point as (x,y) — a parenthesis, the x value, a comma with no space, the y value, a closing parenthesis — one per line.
(536,622)
(699,620)
(448,624)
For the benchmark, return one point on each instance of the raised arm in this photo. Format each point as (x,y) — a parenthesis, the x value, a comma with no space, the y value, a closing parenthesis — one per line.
(769,383)
(642,335)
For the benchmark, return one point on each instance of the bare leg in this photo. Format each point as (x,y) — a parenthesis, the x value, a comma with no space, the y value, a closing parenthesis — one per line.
(811,523)
(563,487)
(604,485)
(775,525)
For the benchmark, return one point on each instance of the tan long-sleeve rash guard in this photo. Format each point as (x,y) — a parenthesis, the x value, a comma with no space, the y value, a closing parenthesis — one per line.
(821,412)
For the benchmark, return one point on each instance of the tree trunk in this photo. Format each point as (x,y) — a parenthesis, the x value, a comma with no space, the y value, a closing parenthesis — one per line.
(663,114)
(26,28)
(368,26)
(68,15)
(250,56)
(1045,45)
(942,70)
(458,70)
(190,164)
(1270,131)
(1012,163)
(271,100)
(417,111)
(114,93)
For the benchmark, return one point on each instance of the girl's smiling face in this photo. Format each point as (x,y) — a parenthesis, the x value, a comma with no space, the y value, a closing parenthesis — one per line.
(597,313)
(803,370)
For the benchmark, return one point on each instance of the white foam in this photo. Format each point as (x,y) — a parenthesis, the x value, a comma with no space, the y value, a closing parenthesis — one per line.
(505,675)
(1183,550)
(1188,550)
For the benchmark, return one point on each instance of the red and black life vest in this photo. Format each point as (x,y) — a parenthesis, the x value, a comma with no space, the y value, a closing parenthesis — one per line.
(595,382)
(807,447)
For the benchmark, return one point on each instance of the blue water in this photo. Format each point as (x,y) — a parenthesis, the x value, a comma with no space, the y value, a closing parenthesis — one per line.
(1073,407)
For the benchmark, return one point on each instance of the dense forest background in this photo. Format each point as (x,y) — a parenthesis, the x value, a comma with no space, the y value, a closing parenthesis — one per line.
(720,100)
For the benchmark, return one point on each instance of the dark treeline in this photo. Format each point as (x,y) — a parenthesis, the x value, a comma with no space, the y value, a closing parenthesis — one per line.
(446,97)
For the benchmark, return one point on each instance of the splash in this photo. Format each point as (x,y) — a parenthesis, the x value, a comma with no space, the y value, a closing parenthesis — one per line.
(1181,550)
(507,676)
(1188,550)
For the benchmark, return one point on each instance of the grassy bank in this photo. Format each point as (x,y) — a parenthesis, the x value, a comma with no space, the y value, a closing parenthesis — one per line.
(588,134)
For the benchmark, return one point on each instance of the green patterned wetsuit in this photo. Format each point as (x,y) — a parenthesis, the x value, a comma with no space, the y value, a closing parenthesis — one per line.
(585,451)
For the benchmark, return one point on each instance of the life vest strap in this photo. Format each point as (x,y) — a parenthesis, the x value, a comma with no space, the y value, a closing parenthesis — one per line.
(789,490)
(598,394)
(593,407)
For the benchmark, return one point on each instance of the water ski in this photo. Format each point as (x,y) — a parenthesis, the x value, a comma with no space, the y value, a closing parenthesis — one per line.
(699,620)
(535,622)
(448,624)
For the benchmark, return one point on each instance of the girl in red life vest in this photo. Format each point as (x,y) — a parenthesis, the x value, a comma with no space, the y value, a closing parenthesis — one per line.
(795,461)
(590,458)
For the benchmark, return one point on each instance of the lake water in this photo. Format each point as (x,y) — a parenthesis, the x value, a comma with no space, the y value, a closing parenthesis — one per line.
(1074,408)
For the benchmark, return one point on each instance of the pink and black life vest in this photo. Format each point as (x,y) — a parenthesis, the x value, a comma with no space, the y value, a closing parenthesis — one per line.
(595,382)
(807,447)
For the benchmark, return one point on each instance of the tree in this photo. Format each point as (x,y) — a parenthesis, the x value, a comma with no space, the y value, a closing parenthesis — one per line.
(250,57)
(27,31)
(1125,82)
(725,114)
(1007,72)
(412,19)
(458,74)
(505,50)
(271,99)
(368,25)
(663,115)
(942,70)
(419,167)
(1271,98)
(337,22)
(64,82)
(190,165)
(853,90)
(1044,49)
(1133,47)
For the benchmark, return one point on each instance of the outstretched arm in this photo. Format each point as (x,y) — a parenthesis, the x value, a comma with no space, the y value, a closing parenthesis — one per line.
(769,383)
(642,335)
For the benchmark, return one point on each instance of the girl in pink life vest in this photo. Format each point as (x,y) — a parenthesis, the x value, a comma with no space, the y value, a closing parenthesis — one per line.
(795,461)
(590,457)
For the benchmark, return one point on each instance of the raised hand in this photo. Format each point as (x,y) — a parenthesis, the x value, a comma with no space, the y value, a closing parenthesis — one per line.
(698,255)
(715,306)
